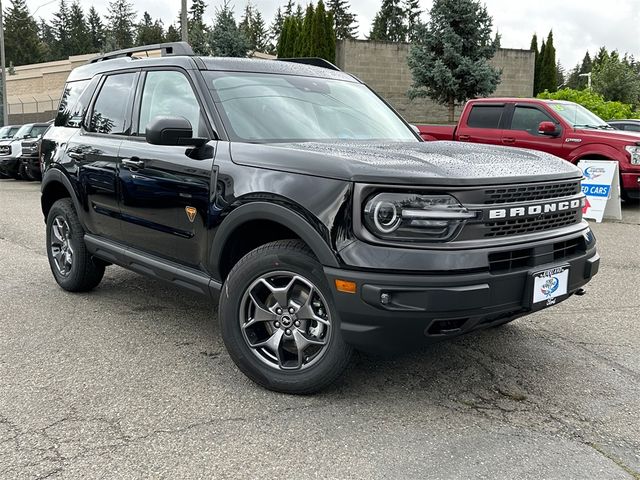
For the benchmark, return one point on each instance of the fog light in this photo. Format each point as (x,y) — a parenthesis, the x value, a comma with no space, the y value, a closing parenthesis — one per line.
(385,299)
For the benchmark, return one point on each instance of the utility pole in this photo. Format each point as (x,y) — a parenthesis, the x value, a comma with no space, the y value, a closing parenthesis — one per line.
(183,21)
(5,113)
(588,75)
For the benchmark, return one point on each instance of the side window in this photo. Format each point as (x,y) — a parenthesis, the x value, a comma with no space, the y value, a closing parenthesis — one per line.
(110,113)
(169,93)
(528,119)
(632,127)
(485,116)
(70,110)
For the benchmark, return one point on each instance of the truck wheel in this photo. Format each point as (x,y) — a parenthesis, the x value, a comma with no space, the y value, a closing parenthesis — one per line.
(73,267)
(278,320)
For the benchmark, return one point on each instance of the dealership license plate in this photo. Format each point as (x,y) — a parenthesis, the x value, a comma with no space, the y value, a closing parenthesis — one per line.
(550,284)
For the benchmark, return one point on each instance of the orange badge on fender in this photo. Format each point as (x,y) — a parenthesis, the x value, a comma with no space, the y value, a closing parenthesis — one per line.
(191,213)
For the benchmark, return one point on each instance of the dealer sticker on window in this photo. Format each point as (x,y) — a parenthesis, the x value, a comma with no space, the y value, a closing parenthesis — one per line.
(550,284)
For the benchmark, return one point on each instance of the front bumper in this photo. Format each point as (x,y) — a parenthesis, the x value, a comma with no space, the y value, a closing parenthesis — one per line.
(631,184)
(32,163)
(391,311)
(9,166)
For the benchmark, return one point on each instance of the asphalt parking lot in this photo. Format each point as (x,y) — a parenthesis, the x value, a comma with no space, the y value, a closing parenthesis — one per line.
(132,381)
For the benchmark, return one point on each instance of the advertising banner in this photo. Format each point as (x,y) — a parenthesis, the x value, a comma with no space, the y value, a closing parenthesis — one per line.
(601,185)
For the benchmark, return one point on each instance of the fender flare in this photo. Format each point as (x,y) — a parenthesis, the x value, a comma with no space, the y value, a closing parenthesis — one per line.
(53,175)
(600,150)
(275,213)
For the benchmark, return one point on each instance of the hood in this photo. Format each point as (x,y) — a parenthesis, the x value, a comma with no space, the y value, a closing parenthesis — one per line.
(616,135)
(419,163)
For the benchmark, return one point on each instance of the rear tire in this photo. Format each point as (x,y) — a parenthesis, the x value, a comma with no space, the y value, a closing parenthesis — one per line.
(72,265)
(279,322)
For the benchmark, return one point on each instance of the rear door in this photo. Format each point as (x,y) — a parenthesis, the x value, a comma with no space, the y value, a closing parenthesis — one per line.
(483,123)
(522,130)
(94,151)
(164,190)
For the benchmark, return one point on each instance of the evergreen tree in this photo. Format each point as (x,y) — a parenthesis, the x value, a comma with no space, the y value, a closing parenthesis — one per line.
(283,40)
(172,35)
(22,44)
(587,64)
(121,24)
(560,75)
(388,24)
(260,33)
(345,22)
(536,67)
(149,32)
(79,37)
(331,39)
(299,13)
(225,39)
(198,31)
(47,41)
(61,30)
(319,42)
(601,57)
(246,25)
(412,13)
(615,79)
(275,30)
(449,59)
(539,66)
(303,40)
(96,30)
(288,9)
(548,74)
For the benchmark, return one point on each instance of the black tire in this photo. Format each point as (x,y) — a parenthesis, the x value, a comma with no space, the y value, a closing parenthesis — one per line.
(83,273)
(293,257)
(22,172)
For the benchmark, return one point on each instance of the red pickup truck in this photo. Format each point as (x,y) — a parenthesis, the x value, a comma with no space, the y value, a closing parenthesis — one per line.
(564,129)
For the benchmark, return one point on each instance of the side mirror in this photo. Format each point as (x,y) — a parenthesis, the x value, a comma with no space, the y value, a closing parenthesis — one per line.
(548,128)
(175,131)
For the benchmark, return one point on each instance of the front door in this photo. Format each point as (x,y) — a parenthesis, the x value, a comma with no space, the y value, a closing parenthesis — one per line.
(165,189)
(523,131)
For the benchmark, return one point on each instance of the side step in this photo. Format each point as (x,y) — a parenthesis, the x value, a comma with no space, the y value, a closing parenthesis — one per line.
(152,266)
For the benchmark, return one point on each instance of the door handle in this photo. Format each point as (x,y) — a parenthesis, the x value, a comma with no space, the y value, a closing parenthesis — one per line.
(464,138)
(76,155)
(132,163)
(509,140)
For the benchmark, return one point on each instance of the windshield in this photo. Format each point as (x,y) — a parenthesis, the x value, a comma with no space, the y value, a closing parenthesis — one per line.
(578,116)
(259,107)
(8,131)
(30,130)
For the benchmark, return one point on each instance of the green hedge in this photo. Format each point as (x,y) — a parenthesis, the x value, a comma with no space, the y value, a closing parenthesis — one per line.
(594,102)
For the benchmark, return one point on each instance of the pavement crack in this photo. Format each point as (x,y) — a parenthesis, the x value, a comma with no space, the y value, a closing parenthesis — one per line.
(598,448)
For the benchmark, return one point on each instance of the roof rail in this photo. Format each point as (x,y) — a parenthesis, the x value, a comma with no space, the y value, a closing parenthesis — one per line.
(314,61)
(166,49)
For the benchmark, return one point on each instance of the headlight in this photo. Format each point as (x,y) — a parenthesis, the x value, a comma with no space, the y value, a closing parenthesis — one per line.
(412,217)
(634,151)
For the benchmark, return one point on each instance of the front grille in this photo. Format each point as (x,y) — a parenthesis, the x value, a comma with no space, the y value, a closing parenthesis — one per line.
(529,193)
(520,226)
(506,261)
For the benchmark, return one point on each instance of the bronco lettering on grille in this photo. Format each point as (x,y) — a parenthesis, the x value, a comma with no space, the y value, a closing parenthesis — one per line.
(534,210)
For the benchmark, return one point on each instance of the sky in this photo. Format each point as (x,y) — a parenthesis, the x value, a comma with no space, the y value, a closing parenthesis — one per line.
(578,25)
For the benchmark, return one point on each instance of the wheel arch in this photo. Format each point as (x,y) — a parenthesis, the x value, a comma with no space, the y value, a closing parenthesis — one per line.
(246,222)
(596,151)
(55,185)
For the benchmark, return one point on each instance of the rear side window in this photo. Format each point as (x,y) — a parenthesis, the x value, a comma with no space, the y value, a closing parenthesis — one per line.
(111,109)
(631,127)
(70,110)
(485,116)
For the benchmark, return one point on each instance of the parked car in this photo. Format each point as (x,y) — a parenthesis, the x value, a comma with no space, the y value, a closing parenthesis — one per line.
(561,128)
(627,125)
(30,167)
(6,132)
(307,204)
(11,149)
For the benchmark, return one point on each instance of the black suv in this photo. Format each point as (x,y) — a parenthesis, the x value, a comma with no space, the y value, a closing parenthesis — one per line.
(307,204)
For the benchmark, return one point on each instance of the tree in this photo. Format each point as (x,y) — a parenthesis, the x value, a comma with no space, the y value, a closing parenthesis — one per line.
(320,41)
(449,59)
(79,38)
(121,24)
(225,39)
(616,80)
(412,13)
(61,30)
(536,66)
(253,27)
(22,45)
(275,30)
(173,34)
(345,22)
(548,74)
(303,40)
(388,24)
(560,75)
(96,30)
(592,101)
(149,32)
(198,31)
(47,41)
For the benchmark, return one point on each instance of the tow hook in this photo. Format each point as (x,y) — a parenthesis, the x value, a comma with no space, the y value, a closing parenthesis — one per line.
(581,291)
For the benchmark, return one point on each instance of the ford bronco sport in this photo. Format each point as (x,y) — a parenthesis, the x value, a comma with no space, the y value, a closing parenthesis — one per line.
(306,204)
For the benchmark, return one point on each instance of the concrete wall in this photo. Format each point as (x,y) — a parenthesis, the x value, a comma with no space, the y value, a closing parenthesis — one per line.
(383,66)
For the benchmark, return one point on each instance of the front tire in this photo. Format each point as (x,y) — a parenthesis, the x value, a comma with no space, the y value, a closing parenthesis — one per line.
(279,322)
(72,265)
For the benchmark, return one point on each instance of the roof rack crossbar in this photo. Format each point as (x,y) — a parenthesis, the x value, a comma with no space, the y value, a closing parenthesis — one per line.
(313,61)
(166,49)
